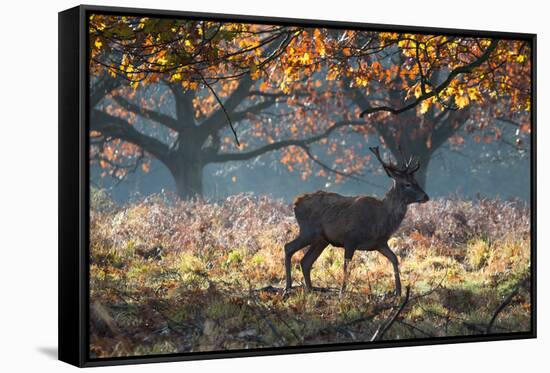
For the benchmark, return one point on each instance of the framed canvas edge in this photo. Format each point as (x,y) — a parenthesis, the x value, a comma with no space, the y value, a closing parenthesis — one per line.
(211,355)
(73,298)
(305,22)
(70,193)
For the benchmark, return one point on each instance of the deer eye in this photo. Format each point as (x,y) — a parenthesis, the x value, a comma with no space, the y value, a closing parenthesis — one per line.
(408,185)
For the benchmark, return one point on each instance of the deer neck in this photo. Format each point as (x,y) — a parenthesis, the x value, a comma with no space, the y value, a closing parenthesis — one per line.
(396,209)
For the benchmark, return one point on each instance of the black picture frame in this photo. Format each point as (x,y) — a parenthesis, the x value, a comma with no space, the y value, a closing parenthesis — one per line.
(74,187)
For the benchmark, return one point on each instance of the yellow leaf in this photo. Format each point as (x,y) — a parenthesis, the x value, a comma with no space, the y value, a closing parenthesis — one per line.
(175,77)
(424,106)
(417,91)
(162,60)
(473,94)
(462,101)
(332,74)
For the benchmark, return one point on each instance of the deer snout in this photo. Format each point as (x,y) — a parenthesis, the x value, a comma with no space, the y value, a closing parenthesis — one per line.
(424,198)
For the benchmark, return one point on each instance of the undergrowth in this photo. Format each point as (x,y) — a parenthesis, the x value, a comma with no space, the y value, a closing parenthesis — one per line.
(171,276)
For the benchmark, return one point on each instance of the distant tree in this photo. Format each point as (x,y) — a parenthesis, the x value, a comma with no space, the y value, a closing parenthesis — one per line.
(185,92)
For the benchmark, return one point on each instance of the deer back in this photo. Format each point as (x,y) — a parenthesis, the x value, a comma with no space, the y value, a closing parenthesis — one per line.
(358,221)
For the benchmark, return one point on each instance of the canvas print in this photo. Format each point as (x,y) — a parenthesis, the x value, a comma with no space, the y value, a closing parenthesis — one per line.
(257,185)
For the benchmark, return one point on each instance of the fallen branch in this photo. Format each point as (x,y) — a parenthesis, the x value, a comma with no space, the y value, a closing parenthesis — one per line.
(504,304)
(413,327)
(383,328)
(344,326)
(259,311)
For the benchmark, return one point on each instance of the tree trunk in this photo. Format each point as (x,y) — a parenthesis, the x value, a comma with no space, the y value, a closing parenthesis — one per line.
(422,173)
(187,175)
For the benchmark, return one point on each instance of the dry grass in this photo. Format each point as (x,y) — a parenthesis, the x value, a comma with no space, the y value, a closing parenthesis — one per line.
(170,276)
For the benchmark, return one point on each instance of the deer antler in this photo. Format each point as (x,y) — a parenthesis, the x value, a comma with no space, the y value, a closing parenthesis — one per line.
(404,168)
(409,167)
(386,166)
(412,165)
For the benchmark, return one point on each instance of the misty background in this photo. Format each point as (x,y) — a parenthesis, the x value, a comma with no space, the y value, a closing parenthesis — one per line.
(496,170)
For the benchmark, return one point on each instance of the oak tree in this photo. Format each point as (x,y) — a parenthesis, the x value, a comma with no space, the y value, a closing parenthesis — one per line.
(190,93)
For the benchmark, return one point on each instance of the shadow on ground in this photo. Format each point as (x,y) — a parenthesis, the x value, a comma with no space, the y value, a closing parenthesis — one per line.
(50,352)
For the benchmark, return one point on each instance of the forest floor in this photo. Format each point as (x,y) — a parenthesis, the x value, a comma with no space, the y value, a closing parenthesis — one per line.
(168,276)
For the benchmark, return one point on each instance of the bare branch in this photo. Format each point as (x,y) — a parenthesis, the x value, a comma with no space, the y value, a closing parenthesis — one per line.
(153,115)
(213,91)
(215,121)
(335,171)
(101,87)
(505,303)
(116,127)
(226,157)
(383,328)
(240,115)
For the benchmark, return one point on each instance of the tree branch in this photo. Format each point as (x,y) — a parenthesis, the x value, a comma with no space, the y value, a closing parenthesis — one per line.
(338,172)
(453,74)
(216,121)
(226,157)
(101,88)
(383,328)
(240,115)
(153,115)
(505,303)
(112,126)
(222,107)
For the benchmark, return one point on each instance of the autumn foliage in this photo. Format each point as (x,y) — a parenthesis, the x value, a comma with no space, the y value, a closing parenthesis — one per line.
(184,91)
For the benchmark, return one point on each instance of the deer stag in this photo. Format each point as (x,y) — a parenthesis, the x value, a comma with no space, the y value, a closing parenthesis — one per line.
(354,223)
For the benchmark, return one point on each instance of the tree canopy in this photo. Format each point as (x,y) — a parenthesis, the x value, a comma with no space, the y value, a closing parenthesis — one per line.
(194,92)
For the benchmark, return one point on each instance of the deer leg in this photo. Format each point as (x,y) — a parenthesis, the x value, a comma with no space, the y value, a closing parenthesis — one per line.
(307,261)
(386,251)
(290,248)
(348,255)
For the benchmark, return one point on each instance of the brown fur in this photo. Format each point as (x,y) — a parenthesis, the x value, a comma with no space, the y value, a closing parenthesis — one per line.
(354,223)
(363,222)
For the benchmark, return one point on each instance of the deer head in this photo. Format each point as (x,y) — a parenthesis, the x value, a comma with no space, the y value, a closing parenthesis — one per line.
(405,185)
